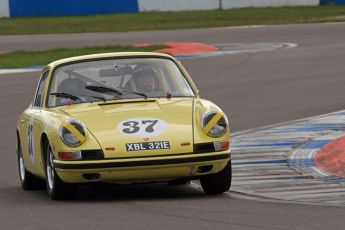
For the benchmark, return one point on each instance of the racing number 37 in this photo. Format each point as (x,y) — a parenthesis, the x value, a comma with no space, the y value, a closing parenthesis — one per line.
(135,126)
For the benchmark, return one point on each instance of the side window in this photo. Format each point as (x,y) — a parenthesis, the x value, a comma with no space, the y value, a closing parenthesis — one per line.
(40,90)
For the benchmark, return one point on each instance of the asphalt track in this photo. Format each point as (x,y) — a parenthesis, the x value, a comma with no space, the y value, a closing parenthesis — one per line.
(254,89)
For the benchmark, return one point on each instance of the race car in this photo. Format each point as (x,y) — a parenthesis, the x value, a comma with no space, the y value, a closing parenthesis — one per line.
(131,117)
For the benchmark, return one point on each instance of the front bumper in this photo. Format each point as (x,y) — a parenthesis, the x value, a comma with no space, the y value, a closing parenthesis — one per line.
(142,169)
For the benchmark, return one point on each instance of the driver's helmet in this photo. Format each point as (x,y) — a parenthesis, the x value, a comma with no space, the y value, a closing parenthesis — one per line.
(73,86)
(145,80)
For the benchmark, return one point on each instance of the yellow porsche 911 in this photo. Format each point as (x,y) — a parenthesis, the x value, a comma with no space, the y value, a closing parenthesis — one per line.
(121,118)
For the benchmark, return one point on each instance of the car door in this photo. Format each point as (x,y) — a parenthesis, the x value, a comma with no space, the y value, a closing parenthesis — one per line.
(31,122)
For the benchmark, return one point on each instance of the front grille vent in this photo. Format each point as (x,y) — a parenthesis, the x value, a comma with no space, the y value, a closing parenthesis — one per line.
(204,147)
(92,154)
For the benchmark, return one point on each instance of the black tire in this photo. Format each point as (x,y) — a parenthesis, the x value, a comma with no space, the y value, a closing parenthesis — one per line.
(57,189)
(217,183)
(28,180)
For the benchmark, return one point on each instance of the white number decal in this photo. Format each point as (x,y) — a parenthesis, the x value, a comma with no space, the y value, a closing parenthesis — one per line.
(143,127)
(31,146)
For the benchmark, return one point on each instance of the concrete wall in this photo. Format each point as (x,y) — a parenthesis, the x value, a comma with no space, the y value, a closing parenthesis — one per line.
(228,4)
(4,9)
(177,5)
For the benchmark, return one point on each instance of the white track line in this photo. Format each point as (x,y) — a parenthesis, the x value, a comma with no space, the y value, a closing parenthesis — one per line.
(258,172)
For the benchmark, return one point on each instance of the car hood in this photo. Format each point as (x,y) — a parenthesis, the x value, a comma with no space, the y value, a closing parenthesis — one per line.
(119,126)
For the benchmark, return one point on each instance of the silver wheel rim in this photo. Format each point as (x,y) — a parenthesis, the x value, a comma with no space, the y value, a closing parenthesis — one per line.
(50,170)
(21,167)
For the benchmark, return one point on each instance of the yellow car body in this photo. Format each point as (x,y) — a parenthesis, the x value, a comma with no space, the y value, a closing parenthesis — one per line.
(190,155)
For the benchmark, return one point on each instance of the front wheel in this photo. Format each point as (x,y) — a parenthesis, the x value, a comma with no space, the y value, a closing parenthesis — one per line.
(219,182)
(28,181)
(57,189)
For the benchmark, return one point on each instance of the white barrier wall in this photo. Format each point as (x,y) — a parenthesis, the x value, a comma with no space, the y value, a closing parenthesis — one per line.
(177,5)
(180,5)
(228,4)
(4,8)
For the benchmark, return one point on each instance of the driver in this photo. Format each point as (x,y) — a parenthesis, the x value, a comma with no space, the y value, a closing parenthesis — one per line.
(145,80)
(70,86)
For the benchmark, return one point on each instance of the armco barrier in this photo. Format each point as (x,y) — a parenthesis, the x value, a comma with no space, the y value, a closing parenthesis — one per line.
(70,7)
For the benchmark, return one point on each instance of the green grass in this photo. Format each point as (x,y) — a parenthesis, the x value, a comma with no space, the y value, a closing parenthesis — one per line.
(170,20)
(35,58)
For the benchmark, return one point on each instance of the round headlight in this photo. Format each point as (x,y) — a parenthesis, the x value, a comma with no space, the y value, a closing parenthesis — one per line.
(214,123)
(73,133)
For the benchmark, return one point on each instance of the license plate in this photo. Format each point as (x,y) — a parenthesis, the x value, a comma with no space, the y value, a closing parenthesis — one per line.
(148,146)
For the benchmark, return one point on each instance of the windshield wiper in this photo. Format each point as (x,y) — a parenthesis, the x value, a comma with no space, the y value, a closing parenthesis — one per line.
(76,97)
(111,90)
(103,89)
(67,95)
(134,92)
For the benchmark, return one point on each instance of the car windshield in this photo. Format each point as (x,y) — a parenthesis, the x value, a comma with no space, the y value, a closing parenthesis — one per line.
(117,79)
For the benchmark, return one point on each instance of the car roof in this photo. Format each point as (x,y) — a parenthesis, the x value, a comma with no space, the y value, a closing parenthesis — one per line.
(108,55)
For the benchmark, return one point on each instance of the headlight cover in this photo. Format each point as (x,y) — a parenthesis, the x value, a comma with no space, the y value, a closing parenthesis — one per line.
(73,133)
(214,123)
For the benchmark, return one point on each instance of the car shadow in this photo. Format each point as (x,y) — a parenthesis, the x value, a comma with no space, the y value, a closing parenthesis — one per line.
(137,192)
(108,192)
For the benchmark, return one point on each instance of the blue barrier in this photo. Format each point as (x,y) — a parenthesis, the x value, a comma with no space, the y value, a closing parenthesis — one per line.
(13,8)
(325,2)
(70,7)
